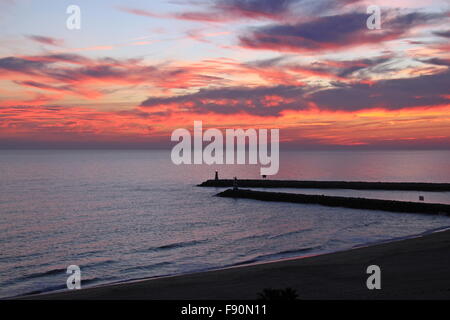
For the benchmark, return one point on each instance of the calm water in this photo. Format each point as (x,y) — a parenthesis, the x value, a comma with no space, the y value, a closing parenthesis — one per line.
(124,215)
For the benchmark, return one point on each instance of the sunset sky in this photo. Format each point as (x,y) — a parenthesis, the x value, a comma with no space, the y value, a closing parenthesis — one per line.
(137,70)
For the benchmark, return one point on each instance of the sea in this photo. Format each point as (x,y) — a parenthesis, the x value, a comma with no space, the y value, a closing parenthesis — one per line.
(123,215)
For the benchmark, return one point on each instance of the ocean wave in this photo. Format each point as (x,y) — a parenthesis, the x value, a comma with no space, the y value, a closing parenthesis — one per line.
(285,234)
(176,245)
(97,263)
(42,290)
(60,287)
(35,275)
(252,237)
(53,272)
(147,267)
(277,255)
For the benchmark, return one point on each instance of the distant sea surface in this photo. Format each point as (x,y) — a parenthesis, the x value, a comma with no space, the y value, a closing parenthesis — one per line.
(123,215)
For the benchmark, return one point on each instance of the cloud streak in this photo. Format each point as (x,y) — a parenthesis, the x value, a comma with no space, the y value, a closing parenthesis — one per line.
(391,94)
(52,72)
(219,11)
(333,32)
(46,40)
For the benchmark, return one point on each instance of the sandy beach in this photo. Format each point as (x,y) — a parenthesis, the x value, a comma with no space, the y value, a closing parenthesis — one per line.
(417,268)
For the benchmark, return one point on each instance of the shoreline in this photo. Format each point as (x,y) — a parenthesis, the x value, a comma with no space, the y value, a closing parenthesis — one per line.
(412,268)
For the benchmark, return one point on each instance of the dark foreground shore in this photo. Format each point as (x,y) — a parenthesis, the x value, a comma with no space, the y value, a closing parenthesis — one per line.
(304,184)
(416,268)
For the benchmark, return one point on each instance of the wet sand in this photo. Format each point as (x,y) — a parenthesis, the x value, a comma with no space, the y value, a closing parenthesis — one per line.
(416,268)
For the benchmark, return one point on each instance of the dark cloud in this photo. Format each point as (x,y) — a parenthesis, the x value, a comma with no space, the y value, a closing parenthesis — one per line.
(254,101)
(99,72)
(438,61)
(142,114)
(425,90)
(44,86)
(21,65)
(35,65)
(276,9)
(62,57)
(89,72)
(255,8)
(326,68)
(332,32)
(102,68)
(349,67)
(444,34)
(229,10)
(46,40)
(421,91)
(268,62)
